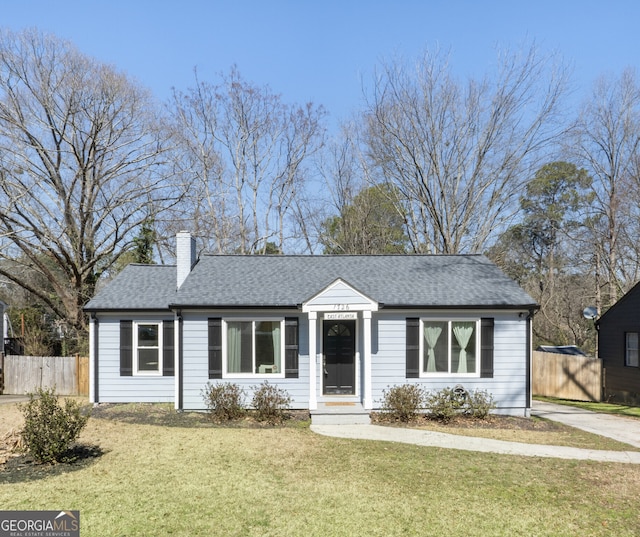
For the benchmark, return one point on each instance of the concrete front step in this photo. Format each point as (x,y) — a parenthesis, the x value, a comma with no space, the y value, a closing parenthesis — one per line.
(340,413)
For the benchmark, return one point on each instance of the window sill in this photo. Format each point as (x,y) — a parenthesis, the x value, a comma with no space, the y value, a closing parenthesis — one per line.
(258,376)
(449,375)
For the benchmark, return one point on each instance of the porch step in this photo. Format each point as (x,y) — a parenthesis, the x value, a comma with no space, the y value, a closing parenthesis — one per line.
(340,413)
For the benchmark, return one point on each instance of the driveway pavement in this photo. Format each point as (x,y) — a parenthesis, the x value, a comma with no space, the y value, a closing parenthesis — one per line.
(623,429)
(13,398)
(619,428)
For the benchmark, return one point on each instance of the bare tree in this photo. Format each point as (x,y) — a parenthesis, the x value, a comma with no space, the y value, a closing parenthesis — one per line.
(608,145)
(342,171)
(207,208)
(244,154)
(79,168)
(459,154)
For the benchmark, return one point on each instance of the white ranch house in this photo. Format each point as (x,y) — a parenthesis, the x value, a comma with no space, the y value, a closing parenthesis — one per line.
(324,328)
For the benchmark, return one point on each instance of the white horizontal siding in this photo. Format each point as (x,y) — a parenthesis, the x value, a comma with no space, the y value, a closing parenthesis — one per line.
(196,363)
(338,294)
(112,388)
(195,360)
(508,385)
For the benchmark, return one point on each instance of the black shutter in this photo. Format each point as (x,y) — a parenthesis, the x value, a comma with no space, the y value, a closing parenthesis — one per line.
(413,348)
(168,348)
(215,348)
(291,347)
(486,348)
(126,348)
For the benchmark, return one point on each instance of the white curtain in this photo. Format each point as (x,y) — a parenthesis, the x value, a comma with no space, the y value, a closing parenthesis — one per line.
(275,334)
(463,332)
(234,347)
(431,335)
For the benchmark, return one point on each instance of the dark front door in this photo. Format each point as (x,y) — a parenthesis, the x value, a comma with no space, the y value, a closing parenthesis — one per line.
(339,344)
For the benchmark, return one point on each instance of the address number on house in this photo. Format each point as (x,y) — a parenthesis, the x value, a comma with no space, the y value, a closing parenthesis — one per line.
(340,316)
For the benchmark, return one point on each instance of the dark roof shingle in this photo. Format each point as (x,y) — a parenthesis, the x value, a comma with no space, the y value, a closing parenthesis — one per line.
(410,280)
(137,287)
(288,281)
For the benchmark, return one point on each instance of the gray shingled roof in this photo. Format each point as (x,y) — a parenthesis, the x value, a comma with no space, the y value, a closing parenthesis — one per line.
(288,281)
(137,287)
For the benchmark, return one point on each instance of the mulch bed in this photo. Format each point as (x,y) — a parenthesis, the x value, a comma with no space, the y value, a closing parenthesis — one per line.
(166,416)
(18,467)
(492,421)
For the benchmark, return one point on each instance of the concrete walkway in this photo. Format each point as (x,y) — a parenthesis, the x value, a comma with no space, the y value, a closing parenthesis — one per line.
(623,429)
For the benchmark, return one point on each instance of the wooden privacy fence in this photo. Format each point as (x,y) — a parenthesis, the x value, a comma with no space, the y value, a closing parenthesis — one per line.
(69,375)
(567,377)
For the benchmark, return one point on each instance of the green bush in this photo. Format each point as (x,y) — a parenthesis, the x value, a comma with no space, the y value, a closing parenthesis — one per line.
(270,403)
(445,404)
(50,429)
(225,402)
(403,403)
(480,404)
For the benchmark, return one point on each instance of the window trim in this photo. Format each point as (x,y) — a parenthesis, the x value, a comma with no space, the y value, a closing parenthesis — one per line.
(626,349)
(253,320)
(135,348)
(448,374)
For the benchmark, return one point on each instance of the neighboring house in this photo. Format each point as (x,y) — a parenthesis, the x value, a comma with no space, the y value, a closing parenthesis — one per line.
(618,347)
(324,328)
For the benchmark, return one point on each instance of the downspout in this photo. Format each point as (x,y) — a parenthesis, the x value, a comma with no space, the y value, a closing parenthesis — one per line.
(527,411)
(180,403)
(96,370)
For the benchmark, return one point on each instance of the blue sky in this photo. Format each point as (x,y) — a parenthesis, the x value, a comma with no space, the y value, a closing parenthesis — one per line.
(321,50)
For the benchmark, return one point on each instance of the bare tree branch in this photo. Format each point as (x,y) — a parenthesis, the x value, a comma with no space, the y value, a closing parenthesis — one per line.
(243,152)
(81,166)
(459,154)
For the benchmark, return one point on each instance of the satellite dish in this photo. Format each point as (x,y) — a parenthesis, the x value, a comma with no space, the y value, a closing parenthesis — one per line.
(590,312)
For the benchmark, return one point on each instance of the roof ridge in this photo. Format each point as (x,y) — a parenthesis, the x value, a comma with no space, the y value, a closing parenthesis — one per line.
(163,265)
(318,256)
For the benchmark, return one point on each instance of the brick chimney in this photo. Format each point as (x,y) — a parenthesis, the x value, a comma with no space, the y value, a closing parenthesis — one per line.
(185,255)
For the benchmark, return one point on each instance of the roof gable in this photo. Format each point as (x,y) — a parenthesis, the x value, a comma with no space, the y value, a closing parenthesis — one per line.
(339,295)
(626,305)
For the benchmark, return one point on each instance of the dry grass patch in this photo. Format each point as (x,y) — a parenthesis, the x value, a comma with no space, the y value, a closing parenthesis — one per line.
(166,479)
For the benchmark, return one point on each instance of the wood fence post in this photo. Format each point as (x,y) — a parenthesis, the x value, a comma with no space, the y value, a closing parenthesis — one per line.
(77,374)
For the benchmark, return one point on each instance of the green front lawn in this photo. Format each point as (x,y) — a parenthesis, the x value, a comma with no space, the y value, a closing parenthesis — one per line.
(606,408)
(172,480)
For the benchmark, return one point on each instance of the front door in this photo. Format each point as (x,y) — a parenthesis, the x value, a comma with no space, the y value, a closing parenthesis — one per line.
(339,344)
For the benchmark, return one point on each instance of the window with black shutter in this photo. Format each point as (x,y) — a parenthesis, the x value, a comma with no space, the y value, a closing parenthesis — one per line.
(147,348)
(455,347)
